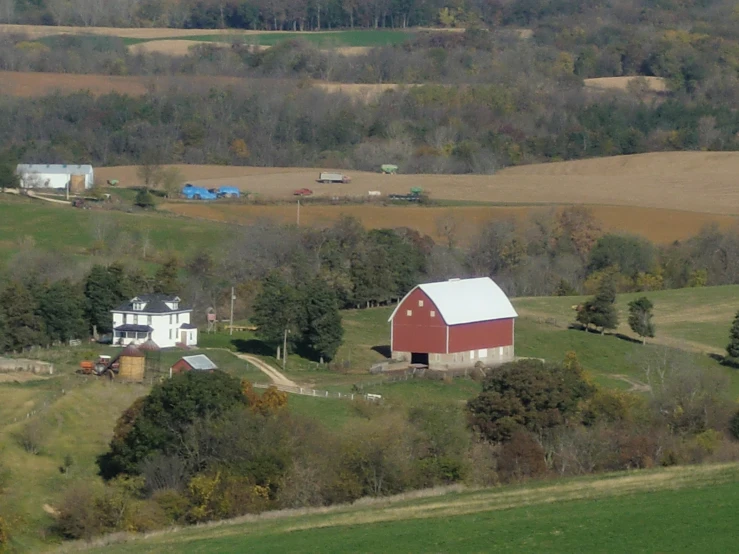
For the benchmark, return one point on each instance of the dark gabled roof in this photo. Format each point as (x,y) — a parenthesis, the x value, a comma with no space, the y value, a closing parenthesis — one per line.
(134,328)
(154,304)
(188,326)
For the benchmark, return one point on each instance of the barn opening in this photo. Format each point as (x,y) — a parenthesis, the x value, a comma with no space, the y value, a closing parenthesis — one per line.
(420,358)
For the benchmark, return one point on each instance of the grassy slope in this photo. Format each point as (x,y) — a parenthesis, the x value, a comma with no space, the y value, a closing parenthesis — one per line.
(650,511)
(699,318)
(72,231)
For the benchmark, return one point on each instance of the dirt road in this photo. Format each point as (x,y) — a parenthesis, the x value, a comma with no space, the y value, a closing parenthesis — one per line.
(277,377)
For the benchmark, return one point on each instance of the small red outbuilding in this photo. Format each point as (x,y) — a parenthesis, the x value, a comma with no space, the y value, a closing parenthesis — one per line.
(454,324)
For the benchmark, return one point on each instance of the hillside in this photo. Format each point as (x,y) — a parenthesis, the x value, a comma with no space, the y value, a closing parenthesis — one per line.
(646,511)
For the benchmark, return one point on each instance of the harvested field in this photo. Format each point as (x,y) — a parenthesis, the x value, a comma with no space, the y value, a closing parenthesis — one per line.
(172,47)
(684,181)
(661,226)
(655,84)
(152,33)
(30,84)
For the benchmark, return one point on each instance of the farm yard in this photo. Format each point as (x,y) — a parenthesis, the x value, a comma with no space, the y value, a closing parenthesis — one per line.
(207,142)
(687,181)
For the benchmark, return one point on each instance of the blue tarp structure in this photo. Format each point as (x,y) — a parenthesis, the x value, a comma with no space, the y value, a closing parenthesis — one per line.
(229,191)
(198,193)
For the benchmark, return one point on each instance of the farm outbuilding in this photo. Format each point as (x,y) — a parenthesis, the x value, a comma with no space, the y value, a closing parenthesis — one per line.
(56,176)
(198,362)
(131,364)
(454,324)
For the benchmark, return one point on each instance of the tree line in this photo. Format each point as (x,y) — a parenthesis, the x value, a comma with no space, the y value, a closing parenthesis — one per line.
(430,129)
(275,267)
(332,14)
(203,447)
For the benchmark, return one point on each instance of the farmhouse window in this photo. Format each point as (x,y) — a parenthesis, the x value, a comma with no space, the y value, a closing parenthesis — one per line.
(420,303)
(409,313)
(433,313)
(170,321)
(178,318)
(136,319)
(170,334)
(148,320)
(125,317)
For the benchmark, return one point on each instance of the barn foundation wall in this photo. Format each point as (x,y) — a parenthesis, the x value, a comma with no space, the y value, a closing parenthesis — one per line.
(460,360)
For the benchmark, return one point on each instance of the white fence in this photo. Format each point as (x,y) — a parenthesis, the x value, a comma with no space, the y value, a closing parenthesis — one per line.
(319,393)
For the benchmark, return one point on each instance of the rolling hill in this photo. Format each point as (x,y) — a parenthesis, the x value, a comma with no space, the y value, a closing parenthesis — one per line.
(665,510)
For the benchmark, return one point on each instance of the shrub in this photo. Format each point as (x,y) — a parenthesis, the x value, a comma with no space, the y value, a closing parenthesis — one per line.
(521,457)
(173,504)
(734,425)
(78,515)
(31,437)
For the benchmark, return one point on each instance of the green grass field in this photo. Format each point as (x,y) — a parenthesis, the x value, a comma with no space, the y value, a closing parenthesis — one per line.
(687,509)
(697,318)
(72,231)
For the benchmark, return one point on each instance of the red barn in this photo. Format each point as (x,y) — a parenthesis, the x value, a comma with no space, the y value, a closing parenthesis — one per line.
(454,324)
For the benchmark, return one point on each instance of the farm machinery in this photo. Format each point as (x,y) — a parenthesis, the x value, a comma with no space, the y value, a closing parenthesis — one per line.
(102,366)
(416,195)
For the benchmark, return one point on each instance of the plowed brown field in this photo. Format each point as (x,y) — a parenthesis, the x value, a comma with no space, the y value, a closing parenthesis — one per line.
(14,83)
(661,226)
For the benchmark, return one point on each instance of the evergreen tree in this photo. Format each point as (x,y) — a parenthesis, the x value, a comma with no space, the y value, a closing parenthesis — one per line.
(166,280)
(105,288)
(62,307)
(144,199)
(600,311)
(732,350)
(277,308)
(640,317)
(23,327)
(8,177)
(323,333)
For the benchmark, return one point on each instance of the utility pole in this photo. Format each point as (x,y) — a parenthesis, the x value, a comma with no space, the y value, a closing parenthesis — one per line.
(233,297)
(298,212)
(284,350)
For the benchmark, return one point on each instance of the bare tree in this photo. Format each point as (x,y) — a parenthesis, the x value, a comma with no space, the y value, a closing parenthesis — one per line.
(447,227)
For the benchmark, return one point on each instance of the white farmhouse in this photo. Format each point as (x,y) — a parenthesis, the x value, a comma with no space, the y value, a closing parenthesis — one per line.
(159,317)
(56,176)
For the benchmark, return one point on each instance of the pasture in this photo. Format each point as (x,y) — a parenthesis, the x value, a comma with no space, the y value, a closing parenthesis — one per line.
(69,231)
(644,511)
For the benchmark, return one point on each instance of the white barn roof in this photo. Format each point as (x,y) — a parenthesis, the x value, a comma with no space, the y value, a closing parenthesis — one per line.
(54,169)
(467,300)
(200,362)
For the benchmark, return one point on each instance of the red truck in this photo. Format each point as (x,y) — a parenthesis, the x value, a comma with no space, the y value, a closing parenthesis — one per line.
(303,192)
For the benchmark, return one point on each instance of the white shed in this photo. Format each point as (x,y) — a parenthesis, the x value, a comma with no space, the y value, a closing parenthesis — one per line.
(56,176)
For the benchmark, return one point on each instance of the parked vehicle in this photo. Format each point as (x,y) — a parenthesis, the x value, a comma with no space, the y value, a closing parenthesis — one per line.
(416,195)
(303,192)
(333,178)
(389,169)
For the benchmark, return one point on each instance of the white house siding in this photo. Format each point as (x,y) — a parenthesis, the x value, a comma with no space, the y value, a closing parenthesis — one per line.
(166,332)
(55,176)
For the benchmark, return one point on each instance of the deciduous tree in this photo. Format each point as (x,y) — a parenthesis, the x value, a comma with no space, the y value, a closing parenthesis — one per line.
(640,317)
(23,327)
(323,333)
